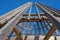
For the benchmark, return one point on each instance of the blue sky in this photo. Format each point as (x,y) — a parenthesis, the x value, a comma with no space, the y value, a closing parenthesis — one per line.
(8,5)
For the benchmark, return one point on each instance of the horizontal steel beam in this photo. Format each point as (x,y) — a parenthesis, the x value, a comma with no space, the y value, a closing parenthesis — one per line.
(42,14)
(33,19)
(25,19)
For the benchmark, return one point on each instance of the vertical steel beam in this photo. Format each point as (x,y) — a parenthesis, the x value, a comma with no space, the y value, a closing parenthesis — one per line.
(50,33)
(25,38)
(4,21)
(18,33)
(42,27)
(19,25)
(38,27)
(36,37)
(6,30)
(35,27)
(50,14)
(29,12)
(46,25)
(30,27)
(38,12)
